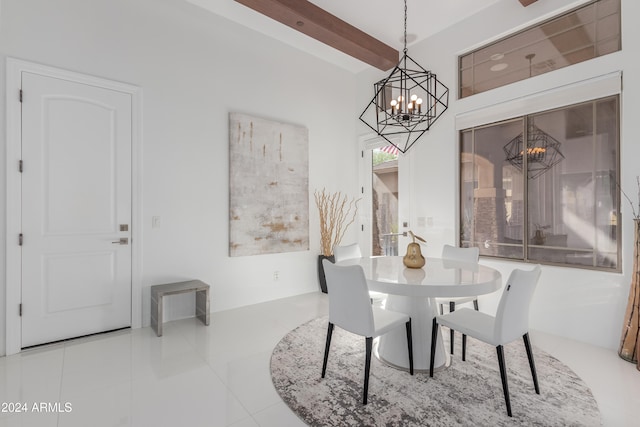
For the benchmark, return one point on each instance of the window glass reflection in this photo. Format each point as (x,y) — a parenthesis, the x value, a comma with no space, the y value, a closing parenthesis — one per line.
(542,188)
(588,32)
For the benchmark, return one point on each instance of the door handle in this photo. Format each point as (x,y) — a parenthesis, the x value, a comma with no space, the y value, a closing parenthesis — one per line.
(122,241)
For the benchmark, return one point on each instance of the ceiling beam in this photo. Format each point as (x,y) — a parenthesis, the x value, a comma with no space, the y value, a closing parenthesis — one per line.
(526,3)
(319,24)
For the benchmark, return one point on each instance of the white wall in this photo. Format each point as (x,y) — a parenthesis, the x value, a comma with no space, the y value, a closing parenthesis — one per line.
(581,304)
(194,68)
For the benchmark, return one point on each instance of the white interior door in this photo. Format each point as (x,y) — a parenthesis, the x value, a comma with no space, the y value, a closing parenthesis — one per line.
(76,208)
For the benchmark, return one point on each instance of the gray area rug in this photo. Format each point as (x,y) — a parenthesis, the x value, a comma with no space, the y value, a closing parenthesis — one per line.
(465,394)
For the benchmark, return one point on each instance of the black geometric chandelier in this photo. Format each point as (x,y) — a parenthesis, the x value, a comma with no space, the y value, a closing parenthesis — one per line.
(407,102)
(543,151)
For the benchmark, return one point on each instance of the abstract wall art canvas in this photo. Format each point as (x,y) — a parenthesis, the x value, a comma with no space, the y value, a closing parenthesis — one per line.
(268,186)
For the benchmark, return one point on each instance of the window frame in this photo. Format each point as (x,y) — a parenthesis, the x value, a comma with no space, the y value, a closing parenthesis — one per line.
(466,61)
(527,228)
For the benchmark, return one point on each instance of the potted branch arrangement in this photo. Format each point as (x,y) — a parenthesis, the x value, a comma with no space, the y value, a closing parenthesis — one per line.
(337,213)
(630,340)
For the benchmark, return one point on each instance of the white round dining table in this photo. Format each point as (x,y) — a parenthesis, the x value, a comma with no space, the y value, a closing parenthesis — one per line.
(413,291)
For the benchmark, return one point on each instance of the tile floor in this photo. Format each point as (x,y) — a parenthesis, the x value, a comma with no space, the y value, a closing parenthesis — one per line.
(219,375)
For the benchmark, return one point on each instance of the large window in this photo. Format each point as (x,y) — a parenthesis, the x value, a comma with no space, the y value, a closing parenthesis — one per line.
(587,32)
(543,187)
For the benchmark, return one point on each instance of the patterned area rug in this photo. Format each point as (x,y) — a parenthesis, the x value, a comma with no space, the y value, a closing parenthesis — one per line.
(465,394)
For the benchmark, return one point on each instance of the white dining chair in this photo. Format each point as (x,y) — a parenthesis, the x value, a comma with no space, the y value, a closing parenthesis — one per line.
(463,255)
(341,253)
(510,323)
(351,310)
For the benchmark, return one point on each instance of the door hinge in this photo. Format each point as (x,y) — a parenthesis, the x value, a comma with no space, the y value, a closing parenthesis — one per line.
(362,190)
(20,239)
(20,166)
(20,95)
(20,309)
(361,152)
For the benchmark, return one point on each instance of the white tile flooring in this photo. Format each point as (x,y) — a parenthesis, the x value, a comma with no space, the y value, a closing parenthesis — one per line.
(218,375)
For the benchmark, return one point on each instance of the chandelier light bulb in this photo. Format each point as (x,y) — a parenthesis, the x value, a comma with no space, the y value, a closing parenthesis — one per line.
(394,104)
(414,97)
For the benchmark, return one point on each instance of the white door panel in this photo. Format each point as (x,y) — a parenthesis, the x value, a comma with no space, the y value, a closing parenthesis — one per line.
(79,183)
(76,193)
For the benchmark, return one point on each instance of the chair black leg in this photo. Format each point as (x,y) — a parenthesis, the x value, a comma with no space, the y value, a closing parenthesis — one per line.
(452,308)
(326,348)
(503,376)
(475,304)
(434,335)
(532,365)
(464,347)
(367,369)
(410,345)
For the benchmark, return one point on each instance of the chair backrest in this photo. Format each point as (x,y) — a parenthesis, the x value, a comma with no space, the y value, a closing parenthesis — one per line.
(512,316)
(460,254)
(340,253)
(349,301)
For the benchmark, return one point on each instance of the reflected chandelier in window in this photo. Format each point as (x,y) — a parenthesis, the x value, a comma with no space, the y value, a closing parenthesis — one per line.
(543,151)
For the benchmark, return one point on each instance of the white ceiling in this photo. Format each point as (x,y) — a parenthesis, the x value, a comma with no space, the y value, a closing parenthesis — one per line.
(382,19)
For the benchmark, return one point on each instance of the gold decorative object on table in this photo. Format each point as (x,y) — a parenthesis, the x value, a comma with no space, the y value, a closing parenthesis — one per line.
(413,257)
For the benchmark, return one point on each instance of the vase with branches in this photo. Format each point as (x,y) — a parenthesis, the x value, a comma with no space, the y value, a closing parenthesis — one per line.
(630,342)
(337,212)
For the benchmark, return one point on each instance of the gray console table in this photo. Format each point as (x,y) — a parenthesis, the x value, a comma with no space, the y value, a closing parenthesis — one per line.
(158,292)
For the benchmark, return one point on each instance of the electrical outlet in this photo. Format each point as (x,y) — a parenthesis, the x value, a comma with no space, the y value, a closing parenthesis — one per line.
(276,275)
(155,222)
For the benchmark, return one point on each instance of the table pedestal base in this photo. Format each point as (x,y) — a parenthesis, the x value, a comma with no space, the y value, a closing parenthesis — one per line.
(392,346)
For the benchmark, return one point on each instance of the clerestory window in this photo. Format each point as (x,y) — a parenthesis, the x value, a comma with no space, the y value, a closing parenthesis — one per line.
(584,33)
